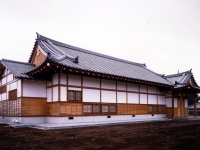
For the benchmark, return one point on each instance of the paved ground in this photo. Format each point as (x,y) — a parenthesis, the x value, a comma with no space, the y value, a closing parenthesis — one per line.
(47,126)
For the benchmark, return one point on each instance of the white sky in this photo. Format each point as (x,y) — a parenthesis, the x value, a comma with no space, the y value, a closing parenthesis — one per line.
(164,34)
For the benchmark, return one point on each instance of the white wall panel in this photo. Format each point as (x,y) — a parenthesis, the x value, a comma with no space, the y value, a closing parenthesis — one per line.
(143,88)
(132,87)
(161,99)
(0,97)
(74,80)
(13,86)
(108,96)
(133,98)
(121,85)
(63,78)
(175,102)
(91,82)
(18,88)
(152,89)
(121,97)
(75,89)
(143,98)
(169,102)
(152,99)
(3,81)
(91,95)
(3,96)
(186,103)
(0,82)
(63,93)
(7,93)
(55,79)
(9,77)
(55,94)
(49,95)
(34,88)
(108,84)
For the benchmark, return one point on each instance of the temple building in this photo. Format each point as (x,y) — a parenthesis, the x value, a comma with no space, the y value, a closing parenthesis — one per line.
(66,84)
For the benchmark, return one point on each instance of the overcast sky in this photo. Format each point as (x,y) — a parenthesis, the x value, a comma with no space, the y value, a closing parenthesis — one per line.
(163,34)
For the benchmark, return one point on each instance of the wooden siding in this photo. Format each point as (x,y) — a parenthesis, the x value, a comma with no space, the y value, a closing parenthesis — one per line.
(38,57)
(33,106)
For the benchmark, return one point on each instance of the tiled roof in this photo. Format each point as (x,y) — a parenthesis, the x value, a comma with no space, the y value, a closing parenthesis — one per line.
(82,59)
(179,79)
(19,68)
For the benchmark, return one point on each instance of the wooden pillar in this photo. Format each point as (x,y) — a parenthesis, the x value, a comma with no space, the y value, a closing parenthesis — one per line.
(172,105)
(195,110)
(181,105)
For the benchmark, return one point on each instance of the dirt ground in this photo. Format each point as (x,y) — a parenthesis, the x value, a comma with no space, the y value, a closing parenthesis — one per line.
(153,135)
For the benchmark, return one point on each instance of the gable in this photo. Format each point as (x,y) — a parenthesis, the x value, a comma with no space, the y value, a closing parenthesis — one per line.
(38,56)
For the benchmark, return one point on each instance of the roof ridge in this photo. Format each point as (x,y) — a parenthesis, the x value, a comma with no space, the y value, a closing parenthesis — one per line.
(88,51)
(178,74)
(26,63)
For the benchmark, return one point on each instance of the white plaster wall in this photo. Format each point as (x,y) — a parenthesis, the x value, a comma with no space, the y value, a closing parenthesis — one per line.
(121,85)
(143,88)
(3,80)
(13,86)
(9,77)
(0,97)
(63,78)
(152,89)
(186,103)
(132,87)
(108,96)
(49,95)
(108,84)
(55,94)
(91,82)
(143,98)
(133,98)
(169,102)
(0,82)
(90,95)
(175,102)
(7,93)
(34,88)
(152,99)
(63,93)
(121,97)
(74,80)
(55,79)
(3,96)
(75,89)
(18,88)
(161,99)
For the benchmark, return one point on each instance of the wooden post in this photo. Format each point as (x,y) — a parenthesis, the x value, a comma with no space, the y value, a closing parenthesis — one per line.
(172,105)
(195,110)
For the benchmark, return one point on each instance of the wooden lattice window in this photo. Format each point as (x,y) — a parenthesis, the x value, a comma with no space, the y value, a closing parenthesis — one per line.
(113,108)
(75,96)
(3,89)
(13,95)
(96,109)
(87,108)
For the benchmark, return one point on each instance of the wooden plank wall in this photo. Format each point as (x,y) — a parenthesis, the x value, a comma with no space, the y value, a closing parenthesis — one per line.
(64,109)
(33,106)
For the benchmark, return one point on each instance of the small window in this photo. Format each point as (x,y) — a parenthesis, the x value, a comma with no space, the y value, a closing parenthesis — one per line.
(96,109)
(105,109)
(87,108)
(113,109)
(75,96)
